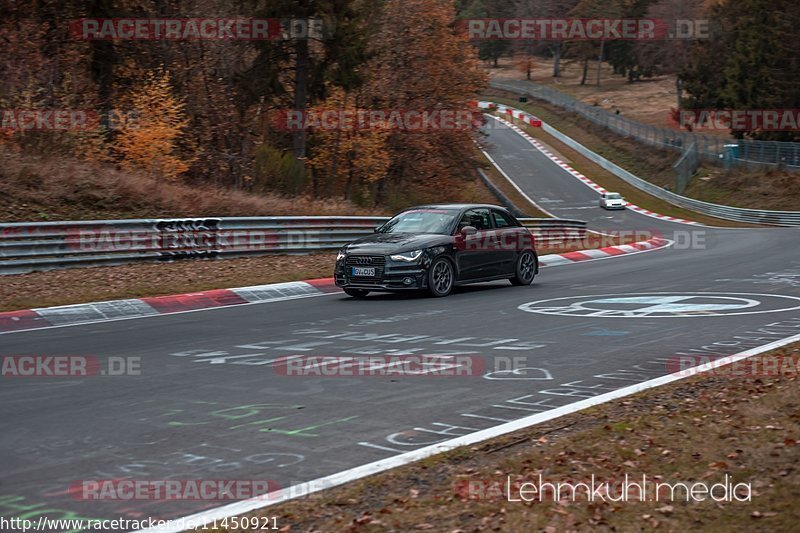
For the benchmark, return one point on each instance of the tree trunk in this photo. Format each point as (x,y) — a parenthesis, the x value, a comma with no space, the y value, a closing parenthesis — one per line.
(600,61)
(557,61)
(585,71)
(336,148)
(301,98)
(103,58)
(348,189)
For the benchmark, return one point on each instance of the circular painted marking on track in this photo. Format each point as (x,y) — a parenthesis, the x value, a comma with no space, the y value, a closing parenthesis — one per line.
(664,305)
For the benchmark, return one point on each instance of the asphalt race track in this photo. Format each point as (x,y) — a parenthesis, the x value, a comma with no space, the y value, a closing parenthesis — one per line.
(211,402)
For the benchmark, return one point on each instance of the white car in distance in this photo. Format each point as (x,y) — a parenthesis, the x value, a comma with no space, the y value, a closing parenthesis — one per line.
(612,200)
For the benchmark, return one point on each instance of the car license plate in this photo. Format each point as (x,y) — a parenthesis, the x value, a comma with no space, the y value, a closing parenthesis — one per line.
(363,272)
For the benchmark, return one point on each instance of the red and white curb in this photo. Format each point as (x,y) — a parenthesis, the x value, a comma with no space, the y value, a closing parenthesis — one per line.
(90,313)
(655,243)
(550,155)
(70,315)
(517,114)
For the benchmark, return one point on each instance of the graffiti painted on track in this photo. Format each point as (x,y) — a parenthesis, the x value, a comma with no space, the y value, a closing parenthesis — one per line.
(664,305)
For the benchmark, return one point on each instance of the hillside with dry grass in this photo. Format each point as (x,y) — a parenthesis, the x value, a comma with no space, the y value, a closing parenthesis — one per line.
(648,100)
(55,188)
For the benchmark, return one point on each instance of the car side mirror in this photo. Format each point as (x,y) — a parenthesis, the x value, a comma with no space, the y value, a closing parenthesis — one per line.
(469,230)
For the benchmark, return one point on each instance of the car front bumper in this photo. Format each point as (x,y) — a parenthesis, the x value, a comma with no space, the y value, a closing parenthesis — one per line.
(393,276)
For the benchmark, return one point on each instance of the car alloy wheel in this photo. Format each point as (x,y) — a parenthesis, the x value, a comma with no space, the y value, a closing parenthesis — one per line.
(526,269)
(440,278)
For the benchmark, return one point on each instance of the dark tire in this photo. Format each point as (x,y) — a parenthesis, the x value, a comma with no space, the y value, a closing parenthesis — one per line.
(356,293)
(525,270)
(441,278)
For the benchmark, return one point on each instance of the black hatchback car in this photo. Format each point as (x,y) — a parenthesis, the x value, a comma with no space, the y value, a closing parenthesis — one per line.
(435,248)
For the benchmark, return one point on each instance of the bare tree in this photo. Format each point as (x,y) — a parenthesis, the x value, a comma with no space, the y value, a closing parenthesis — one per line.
(670,56)
(539,9)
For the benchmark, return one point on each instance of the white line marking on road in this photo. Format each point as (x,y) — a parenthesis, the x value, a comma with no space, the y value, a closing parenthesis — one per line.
(513,183)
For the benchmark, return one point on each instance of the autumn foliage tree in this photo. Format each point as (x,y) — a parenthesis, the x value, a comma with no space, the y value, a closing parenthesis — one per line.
(421,61)
(42,69)
(751,61)
(151,142)
(350,160)
(204,104)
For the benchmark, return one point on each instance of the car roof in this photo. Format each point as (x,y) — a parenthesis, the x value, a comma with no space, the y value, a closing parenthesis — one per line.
(457,206)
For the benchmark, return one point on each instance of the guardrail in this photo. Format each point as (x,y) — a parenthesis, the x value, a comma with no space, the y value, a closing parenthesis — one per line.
(738,214)
(36,246)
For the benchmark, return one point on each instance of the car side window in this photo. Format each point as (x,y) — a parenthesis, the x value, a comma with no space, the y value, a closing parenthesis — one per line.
(502,220)
(478,218)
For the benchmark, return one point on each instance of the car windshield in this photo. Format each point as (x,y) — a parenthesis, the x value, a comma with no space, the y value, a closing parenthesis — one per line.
(421,221)
(613,196)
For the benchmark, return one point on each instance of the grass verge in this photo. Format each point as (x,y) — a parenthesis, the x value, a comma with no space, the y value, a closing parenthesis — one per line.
(81,285)
(697,430)
(55,188)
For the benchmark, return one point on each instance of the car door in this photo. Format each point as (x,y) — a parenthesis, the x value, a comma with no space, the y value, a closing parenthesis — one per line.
(473,256)
(511,239)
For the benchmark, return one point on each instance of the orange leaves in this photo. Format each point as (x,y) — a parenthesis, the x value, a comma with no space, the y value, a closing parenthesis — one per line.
(151,144)
(349,159)
(420,62)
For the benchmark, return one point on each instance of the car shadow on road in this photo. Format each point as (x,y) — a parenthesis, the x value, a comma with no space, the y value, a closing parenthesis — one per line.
(465,290)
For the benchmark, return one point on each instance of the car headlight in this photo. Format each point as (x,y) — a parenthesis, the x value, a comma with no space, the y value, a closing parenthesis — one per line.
(409,257)
(342,254)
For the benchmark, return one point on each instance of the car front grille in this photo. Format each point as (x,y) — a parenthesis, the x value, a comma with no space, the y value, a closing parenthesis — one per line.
(376,261)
